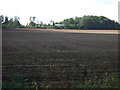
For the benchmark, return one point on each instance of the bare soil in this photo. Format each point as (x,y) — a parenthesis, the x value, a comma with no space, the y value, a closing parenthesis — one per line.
(59,58)
(79,31)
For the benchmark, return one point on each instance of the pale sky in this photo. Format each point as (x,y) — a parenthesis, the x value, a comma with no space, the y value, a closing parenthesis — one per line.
(58,10)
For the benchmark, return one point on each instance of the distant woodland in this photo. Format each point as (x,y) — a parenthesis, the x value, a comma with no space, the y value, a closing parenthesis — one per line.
(85,22)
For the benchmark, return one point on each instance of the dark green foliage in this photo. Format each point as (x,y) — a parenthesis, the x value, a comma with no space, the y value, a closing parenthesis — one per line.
(90,22)
(12,23)
(16,82)
(85,22)
(16,23)
(69,23)
(1,18)
(31,24)
(6,20)
(107,81)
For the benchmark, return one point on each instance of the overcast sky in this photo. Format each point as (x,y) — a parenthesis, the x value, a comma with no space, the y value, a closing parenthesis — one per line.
(57,10)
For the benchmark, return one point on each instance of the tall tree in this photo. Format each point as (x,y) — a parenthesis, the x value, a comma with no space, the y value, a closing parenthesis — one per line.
(6,20)
(16,22)
(32,24)
(1,18)
(32,19)
(90,22)
(10,23)
(52,24)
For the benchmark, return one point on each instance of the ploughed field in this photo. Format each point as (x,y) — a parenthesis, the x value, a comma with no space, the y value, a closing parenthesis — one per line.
(59,58)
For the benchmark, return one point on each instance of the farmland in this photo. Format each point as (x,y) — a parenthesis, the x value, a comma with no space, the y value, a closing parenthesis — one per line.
(57,58)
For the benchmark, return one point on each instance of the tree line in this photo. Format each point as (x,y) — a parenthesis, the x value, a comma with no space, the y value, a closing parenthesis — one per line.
(10,23)
(85,22)
(90,22)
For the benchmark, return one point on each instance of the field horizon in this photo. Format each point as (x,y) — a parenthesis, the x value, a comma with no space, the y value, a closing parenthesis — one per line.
(73,30)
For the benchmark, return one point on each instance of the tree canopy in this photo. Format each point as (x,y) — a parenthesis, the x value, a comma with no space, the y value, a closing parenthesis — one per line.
(85,22)
(11,23)
(90,22)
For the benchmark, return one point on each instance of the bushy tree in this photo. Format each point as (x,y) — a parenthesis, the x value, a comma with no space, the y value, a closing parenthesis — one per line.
(11,23)
(6,20)
(16,22)
(32,23)
(85,22)
(1,18)
(90,22)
